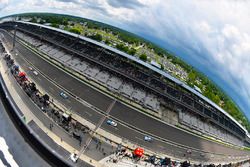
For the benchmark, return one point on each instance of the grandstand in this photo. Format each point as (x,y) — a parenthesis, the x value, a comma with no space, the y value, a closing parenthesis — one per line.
(133,79)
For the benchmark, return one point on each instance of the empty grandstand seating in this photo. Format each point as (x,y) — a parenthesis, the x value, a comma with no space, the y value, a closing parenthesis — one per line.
(131,80)
(207,127)
(93,72)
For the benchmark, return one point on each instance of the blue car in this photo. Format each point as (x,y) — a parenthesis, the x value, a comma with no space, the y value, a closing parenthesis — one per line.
(63,95)
(148,138)
(112,123)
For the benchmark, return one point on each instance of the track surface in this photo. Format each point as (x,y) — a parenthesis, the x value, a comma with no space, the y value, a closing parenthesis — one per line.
(119,111)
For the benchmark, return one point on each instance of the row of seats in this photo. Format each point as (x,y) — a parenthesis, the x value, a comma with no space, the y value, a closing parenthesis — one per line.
(196,123)
(92,71)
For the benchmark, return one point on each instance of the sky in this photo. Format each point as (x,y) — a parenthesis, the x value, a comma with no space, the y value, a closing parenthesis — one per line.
(213,36)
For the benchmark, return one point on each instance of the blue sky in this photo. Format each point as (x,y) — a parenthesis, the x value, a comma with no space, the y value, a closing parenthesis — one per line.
(213,36)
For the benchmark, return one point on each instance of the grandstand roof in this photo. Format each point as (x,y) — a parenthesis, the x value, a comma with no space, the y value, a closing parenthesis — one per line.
(133,58)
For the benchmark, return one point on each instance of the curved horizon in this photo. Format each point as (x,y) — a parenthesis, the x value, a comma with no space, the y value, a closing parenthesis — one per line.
(201,37)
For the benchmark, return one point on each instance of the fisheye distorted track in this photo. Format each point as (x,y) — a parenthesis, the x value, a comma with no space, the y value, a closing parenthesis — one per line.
(123,96)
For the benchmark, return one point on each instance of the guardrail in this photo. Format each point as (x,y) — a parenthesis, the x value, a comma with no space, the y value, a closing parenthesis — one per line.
(52,157)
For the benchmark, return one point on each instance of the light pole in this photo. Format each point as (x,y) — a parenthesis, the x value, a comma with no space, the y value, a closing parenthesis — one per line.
(14,38)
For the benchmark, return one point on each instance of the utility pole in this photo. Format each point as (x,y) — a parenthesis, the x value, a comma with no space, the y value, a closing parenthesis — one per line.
(14,38)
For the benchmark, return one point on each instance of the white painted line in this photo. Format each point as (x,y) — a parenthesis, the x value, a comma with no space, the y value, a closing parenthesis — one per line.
(138,138)
(160,146)
(19,97)
(88,113)
(1,163)
(7,155)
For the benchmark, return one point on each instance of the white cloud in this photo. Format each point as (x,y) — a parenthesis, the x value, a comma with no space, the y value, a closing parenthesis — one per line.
(204,27)
(3,4)
(214,34)
(218,32)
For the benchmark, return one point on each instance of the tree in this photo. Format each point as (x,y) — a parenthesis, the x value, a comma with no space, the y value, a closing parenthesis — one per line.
(55,25)
(96,37)
(122,48)
(107,42)
(143,57)
(162,67)
(75,30)
(131,51)
(192,77)
(65,21)
(33,20)
(216,99)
